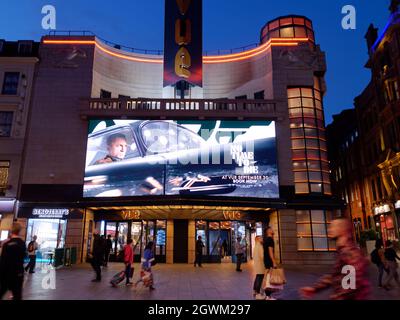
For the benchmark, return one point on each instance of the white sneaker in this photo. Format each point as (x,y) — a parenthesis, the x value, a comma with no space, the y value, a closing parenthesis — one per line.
(260,297)
(269,298)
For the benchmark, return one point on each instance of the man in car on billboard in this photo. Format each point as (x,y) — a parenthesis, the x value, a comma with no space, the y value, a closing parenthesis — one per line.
(117,147)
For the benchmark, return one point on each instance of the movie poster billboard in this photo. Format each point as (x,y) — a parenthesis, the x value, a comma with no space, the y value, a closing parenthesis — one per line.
(127,158)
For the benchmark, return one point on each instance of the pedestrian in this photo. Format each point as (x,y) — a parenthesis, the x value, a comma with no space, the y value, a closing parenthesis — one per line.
(348,254)
(239,252)
(97,257)
(32,248)
(148,260)
(269,257)
(391,256)
(225,248)
(12,264)
(378,258)
(199,252)
(107,250)
(128,260)
(259,269)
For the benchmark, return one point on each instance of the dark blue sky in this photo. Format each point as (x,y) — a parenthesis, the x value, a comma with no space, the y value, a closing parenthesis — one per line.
(227,24)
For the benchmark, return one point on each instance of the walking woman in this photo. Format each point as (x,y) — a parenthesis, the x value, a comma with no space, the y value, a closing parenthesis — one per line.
(269,257)
(258,258)
(147,261)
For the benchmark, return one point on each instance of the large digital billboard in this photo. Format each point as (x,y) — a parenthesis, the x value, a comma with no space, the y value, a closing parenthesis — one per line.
(128,158)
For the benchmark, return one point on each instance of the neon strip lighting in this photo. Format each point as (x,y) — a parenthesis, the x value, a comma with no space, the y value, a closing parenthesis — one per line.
(288,42)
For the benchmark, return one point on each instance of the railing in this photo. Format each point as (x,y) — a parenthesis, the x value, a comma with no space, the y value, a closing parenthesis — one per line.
(148,51)
(165,107)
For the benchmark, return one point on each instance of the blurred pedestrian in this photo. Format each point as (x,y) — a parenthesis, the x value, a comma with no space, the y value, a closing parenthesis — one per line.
(97,256)
(391,256)
(12,264)
(148,260)
(199,252)
(378,258)
(107,250)
(348,254)
(240,249)
(225,248)
(269,257)
(32,248)
(128,260)
(259,268)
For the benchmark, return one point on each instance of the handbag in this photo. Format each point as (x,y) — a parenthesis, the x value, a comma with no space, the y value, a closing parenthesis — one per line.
(271,287)
(277,276)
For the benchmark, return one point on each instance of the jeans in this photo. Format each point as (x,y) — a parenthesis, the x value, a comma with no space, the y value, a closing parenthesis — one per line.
(96,265)
(381,270)
(32,263)
(14,284)
(258,283)
(392,273)
(128,268)
(199,257)
(239,258)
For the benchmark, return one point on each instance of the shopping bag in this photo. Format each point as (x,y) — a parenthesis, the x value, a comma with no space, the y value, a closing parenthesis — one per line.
(277,276)
(271,287)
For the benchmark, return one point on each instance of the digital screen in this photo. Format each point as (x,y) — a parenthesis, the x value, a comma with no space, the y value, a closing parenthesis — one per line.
(128,158)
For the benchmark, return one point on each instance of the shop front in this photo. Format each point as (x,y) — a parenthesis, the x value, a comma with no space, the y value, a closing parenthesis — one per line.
(175,229)
(385,221)
(49,225)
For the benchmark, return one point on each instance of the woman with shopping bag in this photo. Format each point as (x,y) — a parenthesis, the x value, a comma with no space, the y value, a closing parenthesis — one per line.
(148,260)
(270,266)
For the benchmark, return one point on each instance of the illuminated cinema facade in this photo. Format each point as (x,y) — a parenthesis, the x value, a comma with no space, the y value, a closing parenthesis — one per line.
(88,93)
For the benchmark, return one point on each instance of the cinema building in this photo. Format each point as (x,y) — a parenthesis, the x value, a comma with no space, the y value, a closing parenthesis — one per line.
(222,146)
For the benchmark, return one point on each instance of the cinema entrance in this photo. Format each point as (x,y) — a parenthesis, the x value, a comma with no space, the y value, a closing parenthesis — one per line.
(141,232)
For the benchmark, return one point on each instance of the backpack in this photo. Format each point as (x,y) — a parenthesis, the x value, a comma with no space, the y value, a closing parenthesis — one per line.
(375,258)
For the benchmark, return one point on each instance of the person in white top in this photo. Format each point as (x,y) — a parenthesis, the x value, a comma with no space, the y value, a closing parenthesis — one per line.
(259,268)
(32,247)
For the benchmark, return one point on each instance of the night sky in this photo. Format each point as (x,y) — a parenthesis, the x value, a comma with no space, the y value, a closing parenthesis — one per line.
(227,24)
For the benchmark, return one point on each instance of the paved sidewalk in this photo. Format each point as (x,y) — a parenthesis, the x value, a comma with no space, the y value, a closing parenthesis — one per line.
(175,282)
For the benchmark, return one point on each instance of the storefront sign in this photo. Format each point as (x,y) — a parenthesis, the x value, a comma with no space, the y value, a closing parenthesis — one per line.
(50,213)
(7,206)
(382,209)
(232,215)
(131,214)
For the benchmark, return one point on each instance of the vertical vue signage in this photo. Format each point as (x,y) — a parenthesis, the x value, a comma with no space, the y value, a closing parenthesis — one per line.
(183,43)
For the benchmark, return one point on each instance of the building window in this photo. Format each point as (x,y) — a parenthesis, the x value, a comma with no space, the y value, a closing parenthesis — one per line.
(259,95)
(312,230)
(10,83)
(6,118)
(104,94)
(4,170)
(308,140)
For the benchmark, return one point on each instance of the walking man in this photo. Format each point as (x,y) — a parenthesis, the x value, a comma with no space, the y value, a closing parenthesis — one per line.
(391,256)
(199,251)
(97,256)
(239,252)
(12,264)
(32,247)
(107,250)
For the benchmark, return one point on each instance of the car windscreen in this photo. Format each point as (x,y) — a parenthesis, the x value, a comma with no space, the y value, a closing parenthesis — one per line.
(164,136)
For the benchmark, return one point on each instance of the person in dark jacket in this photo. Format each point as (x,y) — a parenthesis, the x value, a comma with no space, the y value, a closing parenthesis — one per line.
(12,264)
(199,251)
(107,250)
(98,256)
(391,256)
